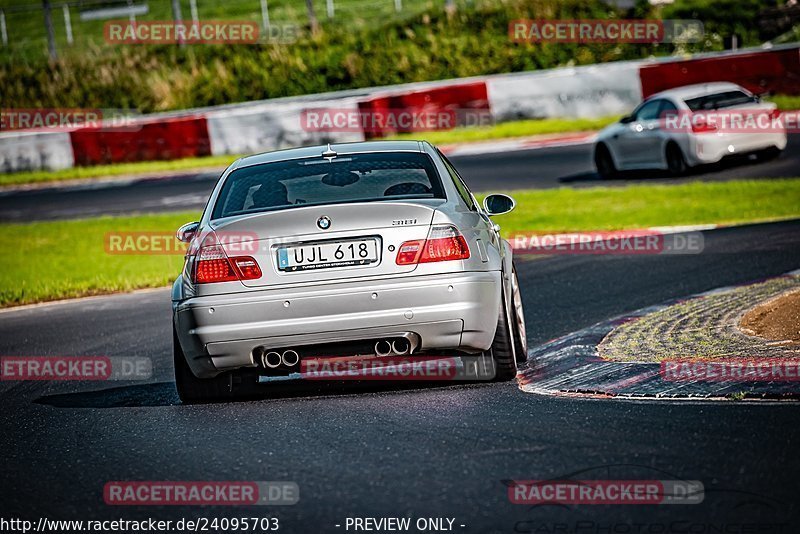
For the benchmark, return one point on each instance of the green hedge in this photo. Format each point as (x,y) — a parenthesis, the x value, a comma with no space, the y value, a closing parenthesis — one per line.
(429,46)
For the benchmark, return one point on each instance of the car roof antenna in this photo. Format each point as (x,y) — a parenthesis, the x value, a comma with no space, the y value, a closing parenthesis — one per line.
(329,154)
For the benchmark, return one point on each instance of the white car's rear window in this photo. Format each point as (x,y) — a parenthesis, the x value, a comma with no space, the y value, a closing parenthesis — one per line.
(727,99)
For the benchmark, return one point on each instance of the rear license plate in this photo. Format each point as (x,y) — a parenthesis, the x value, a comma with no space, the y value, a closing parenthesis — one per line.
(349,253)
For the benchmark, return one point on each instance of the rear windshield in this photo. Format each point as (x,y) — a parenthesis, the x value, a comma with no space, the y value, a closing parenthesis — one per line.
(315,182)
(727,99)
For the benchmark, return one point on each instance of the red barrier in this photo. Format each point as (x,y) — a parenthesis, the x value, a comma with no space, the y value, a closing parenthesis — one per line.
(166,139)
(775,71)
(467,102)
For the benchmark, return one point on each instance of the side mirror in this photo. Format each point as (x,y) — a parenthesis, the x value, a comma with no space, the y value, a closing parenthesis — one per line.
(498,204)
(186,232)
(627,119)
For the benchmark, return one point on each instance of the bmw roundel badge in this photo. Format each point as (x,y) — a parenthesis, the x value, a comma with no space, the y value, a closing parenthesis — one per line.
(324,222)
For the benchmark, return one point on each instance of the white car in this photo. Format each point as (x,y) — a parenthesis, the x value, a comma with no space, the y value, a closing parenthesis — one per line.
(689,126)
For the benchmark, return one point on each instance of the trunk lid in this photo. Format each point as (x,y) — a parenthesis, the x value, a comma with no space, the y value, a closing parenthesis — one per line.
(362,239)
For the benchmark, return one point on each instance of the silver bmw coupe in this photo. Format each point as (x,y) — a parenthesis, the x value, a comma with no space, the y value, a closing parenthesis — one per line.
(375,248)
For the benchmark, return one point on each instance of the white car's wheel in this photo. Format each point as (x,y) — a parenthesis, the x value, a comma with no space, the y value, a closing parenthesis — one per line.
(676,163)
(604,163)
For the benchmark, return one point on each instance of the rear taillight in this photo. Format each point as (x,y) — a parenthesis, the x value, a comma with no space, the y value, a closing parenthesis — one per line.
(248,267)
(409,252)
(444,243)
(213,265)
(703,127)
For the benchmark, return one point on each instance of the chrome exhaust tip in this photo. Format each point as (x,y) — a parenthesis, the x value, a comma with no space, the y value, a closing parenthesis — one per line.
(271,360)
(401,347)
(290,358)
(383,348)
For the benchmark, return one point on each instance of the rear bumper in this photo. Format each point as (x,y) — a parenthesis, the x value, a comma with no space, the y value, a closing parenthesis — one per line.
(711,148)
(448,311)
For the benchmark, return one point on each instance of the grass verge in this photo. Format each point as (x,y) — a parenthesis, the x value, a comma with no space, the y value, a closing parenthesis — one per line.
(511,129)
(642,206)
(54,260)
(785,102)
(65,259)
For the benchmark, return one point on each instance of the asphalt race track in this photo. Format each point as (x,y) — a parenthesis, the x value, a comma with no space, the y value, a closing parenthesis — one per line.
(413,451)
(567,166)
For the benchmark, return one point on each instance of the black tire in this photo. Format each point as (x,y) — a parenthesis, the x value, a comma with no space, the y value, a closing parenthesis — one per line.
(518,316)
(605,163)
(195,390)
(769,154)
(676,163)
(502,352)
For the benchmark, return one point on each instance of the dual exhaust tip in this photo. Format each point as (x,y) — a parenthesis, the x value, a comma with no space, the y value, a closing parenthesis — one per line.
(397,347)
(273,359)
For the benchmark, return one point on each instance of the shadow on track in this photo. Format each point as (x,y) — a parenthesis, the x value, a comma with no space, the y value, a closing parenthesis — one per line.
(731,162)
(164,393)
(139,395)
(594,179)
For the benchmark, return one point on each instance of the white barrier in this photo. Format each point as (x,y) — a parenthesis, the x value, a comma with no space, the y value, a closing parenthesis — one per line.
(271,127)
(586,92)
(29,151)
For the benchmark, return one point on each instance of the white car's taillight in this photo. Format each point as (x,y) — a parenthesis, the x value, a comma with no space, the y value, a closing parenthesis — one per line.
(212,265)
(444,243)
(702,126)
